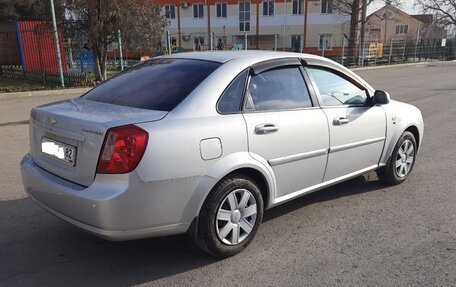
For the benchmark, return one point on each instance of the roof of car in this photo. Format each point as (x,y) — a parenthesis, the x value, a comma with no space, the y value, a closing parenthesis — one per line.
(225,56)
(250,57)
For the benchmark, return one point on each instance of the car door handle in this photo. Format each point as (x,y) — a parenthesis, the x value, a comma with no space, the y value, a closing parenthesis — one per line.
(340,121)
(266,129)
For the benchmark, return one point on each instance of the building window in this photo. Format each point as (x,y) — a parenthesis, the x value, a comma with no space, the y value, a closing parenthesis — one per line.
(221,10)
(198,11)
(170,11)
(244,16)
(296,43)
(402,29)
(325,42)
(173,42)
(199,43)
(327,6)
(268,8)
(298,7)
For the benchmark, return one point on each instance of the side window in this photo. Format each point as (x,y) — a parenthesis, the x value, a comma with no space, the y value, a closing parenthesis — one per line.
(278,89)
(230,102)
(335,90)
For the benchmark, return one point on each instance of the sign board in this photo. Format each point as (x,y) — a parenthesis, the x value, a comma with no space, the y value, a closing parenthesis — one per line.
(237,47)
(376,50)
(443,42)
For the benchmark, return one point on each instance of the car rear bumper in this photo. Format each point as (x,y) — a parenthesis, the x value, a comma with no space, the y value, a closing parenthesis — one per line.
(114,207)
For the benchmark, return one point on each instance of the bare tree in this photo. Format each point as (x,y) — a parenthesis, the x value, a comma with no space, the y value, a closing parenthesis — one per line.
(27,10)
(100,21)
(354,9)
(147,34)
(444,10)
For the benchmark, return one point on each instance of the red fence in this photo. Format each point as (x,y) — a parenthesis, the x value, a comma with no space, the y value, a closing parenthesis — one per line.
(37,47)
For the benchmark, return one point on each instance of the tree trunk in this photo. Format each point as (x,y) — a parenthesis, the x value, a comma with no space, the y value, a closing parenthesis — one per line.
(352,42)
(101,59)
(98,70)
(104,66)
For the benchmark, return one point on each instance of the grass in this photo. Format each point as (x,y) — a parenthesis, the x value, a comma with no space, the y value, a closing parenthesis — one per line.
(109,73)
(13,85)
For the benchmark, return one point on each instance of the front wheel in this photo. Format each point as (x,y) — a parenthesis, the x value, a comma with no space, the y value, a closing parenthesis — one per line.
(401,162)
(230,216)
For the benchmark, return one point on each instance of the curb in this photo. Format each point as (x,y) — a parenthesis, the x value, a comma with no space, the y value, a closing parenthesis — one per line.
(400,65)
(72,91)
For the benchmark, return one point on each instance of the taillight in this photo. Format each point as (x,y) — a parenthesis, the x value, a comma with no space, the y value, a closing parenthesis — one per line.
(122,149)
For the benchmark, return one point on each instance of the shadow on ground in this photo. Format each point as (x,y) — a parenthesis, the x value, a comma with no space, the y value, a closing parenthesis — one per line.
(38,249)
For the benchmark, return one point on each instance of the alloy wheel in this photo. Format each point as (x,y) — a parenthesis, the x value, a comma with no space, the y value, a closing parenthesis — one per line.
(405,158)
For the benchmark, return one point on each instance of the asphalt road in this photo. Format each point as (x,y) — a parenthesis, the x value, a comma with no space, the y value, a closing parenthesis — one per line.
(359,233)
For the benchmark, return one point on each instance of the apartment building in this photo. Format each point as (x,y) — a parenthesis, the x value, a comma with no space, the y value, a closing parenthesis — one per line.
(291,25)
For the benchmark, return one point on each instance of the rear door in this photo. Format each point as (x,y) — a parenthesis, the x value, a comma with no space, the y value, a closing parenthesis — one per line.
(285,127)
(357,128)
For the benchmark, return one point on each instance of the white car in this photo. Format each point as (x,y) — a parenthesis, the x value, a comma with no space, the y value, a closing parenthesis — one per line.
(204,142)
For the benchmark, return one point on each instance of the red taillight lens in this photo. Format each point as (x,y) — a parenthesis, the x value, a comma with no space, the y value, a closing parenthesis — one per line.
(122,149)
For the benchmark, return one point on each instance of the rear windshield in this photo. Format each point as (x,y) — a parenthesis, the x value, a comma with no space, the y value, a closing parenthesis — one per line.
(158,84)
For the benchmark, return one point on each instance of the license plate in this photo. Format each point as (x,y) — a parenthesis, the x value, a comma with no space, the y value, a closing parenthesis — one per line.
(58,150)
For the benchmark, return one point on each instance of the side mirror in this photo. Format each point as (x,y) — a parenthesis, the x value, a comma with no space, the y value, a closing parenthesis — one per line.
(381,97)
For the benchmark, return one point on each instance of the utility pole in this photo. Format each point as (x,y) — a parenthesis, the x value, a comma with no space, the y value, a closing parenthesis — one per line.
(363,32)
(57,45)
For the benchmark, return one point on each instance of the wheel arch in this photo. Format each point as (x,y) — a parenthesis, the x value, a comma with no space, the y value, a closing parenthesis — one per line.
(242,163)
(414,130)
(257,177)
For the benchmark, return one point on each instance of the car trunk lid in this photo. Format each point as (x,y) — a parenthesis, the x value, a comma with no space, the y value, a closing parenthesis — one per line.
(78,126)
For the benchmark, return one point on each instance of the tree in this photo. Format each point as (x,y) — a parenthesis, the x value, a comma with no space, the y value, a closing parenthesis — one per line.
(100,20)
(354,9)
(27,10)
(146,37)
(444,10)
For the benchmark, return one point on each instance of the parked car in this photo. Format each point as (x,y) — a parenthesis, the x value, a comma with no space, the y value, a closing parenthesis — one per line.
(202,143)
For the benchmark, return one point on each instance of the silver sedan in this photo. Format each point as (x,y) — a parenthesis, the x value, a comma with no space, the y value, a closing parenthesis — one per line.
(203,143)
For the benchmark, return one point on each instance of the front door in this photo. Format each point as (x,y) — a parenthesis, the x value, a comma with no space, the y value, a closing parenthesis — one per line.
(357,128)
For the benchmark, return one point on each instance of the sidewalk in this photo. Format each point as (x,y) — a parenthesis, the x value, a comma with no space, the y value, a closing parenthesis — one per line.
(15,107)
(63,92)
(413,64)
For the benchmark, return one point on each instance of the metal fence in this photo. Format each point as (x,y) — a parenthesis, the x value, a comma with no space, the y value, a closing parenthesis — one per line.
(47,79)
(409,50)
(342,50)
(28,49)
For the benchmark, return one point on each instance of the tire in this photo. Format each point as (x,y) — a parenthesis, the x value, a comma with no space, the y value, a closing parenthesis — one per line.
(225,228)
(401,162)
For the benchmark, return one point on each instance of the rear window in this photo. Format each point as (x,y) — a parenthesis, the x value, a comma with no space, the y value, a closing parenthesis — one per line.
(158,84)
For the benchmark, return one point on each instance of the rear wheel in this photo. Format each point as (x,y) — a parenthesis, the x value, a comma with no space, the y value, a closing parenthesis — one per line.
(230,216)
(401,162)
